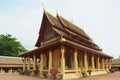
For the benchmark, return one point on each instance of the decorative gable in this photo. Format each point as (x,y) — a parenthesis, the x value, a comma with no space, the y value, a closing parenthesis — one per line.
(49,33)
(52,26)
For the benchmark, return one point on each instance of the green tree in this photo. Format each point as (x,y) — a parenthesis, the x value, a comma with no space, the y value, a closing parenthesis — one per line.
(9,46)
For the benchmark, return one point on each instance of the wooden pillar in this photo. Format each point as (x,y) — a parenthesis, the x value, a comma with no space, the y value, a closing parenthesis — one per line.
(41,64)
(50,60)
(1,70)
(34,62)
(109,63)
(103,64)
(75,61)
(92,60)
(24,64)
(10,71)
(106,64)
(28,67)
(62,60)
(98,63)
(85,61)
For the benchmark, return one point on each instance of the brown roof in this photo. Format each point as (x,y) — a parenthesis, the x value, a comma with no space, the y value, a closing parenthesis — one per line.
(59,31)
(54,21)
(62,23)
(87,49)
(115,61)
(72,26)
(10,61)
(37,50)
(10,65)
(64,27)
(67,42)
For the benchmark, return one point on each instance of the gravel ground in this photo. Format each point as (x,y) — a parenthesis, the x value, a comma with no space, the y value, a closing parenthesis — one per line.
(110,76)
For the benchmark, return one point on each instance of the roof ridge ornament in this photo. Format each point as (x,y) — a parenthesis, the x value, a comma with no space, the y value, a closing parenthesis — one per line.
(56,11)
(43,6)
(72,20)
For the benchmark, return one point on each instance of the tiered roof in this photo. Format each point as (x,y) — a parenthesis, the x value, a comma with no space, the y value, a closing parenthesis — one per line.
(66,28)
(72,34)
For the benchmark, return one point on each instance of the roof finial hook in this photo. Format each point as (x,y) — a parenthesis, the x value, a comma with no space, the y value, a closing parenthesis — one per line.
(43,6)
(56,11)
(72,19)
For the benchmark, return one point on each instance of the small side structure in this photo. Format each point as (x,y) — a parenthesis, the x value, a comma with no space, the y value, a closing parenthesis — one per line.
(10,64)
(115,65)
(66,47)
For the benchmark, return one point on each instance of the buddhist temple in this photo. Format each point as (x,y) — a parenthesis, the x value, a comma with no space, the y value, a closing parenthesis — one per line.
(64,46)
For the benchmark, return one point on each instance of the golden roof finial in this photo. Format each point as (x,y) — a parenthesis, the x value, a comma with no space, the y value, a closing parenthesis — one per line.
(72,20)
(43,6)
(56,11)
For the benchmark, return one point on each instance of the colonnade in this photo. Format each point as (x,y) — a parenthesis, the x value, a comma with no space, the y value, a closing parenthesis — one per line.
(2,71)
(101,62)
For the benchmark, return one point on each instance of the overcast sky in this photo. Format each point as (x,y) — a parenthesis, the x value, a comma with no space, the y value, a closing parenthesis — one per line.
(99,18)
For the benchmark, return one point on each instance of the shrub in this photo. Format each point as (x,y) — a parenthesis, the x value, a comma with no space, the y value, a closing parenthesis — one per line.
(45,74)
(36,72)
(20,72)
(59,76)
(84,74)
(28,72)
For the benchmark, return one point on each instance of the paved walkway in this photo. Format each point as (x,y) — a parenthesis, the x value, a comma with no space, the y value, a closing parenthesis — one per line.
(110,76)
(18,77)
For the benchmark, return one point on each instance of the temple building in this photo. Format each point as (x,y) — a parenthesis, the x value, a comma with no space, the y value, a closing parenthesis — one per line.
(10,64)
(65,46)
(115,64)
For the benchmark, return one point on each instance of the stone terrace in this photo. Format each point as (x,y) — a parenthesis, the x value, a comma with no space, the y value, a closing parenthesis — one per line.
(110,76)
